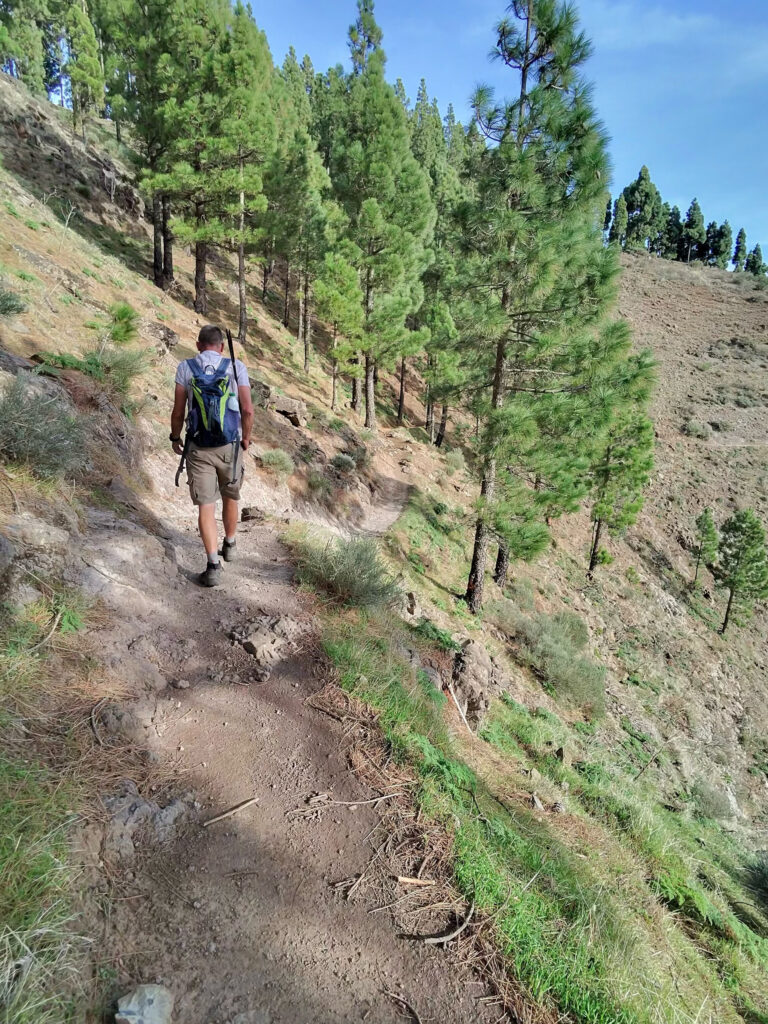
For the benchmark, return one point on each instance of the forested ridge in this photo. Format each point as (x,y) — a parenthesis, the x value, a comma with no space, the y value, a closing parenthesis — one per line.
(476,250)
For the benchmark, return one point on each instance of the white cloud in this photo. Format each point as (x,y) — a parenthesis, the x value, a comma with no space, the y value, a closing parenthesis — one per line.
(632,25)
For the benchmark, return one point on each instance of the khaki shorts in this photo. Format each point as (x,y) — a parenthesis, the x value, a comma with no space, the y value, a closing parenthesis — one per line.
(209,471)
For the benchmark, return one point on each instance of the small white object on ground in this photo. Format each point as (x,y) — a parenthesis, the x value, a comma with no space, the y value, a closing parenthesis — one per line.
(147,1004)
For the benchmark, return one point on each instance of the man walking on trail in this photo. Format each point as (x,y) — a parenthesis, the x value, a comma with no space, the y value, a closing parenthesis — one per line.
(216,397)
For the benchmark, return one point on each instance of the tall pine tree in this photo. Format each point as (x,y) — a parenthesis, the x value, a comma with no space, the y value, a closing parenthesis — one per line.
(739,257)
(385,196)
(694,233)
(538,278)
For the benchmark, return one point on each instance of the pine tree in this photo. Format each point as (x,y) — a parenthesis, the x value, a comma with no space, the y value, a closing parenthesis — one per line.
(338,301)
(645,216)
(620,476)
(694,233)
(707,541)
(83,67)
(708,253)
(385,196)
(740,251)
(618,232)
(723,246)
(742,566)
(754,263)
(22,43)
(537,279)
(608,215)
(672,235)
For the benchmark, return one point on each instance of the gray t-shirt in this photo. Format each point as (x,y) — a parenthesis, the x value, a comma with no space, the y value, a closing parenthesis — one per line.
(211,358)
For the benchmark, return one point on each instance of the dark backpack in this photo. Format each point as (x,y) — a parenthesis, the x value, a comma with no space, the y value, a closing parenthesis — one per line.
(211,422)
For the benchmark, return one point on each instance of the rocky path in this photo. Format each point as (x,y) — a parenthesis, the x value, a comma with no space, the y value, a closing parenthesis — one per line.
(241,919)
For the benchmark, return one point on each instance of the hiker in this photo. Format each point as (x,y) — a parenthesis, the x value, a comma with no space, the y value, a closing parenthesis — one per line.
(218,433)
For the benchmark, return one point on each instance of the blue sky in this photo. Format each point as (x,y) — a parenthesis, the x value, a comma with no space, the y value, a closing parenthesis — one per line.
(682,87)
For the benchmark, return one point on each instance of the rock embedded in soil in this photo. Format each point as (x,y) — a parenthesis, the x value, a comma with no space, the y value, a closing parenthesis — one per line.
(147,1004)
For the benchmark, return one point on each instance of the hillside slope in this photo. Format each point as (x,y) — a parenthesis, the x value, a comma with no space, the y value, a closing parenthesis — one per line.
(609,857)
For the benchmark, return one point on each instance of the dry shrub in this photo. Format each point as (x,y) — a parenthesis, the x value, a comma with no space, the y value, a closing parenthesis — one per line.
(40,431)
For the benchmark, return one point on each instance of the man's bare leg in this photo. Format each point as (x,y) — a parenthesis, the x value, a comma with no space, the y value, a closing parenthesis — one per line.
(206,520)
(229,515)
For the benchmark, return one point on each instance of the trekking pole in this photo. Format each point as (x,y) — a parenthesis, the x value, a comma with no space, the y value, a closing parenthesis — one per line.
(183,459)
(235,443)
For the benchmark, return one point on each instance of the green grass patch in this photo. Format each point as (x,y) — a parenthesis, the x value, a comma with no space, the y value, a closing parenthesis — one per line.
(575,946)
(38,956)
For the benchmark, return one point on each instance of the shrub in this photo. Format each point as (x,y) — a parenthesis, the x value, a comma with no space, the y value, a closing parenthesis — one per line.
(695,428)
(278,462)
(115,369)
(454,462)
(756,878)
(123,323)
(360,456)
(551,646)
(351,572)
(343,463)
(710,801)
(439,637)
(10,303)
(319,485)
(40,431)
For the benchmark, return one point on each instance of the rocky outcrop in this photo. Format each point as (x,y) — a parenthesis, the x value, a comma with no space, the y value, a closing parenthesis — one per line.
(294,410)
(477,679)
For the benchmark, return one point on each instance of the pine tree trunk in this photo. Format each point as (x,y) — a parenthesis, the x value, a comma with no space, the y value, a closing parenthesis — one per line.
(167,244)
(201,293)
(357,385)
(300,318)
(334,371)
(476,581)
(157,239)
(429,407)
(727,618)
(502,564)
(698,563)
(401,399)
(118,136)
(287,301)
(242,323)
(370,391)
(307,323)
(595,546)
(266,272)
(441,429)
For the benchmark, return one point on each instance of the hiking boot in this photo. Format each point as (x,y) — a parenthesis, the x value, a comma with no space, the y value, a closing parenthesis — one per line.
(228,552)
(211,577)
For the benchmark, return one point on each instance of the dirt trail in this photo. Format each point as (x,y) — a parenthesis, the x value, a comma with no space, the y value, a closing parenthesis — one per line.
(241,917)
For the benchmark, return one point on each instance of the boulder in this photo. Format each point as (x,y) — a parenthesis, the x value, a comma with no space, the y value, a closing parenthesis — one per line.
(147,1004)
(294,410)
(261,393)
(164,337)
(252,514)
(28,534)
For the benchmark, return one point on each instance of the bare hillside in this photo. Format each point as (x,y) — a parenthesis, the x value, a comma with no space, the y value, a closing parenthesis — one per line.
(564,796)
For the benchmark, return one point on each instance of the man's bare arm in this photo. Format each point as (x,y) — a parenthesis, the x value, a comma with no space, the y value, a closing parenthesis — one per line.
(246,414)
(177,416)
